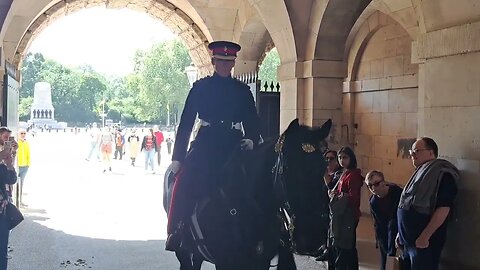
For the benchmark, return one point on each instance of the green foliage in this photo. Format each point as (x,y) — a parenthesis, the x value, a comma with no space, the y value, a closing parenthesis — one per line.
(24,108)
(32,67)
(157,84)
(268,69)
(160,80)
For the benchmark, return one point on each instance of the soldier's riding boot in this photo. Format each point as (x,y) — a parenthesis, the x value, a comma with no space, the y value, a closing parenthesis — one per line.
(174,240)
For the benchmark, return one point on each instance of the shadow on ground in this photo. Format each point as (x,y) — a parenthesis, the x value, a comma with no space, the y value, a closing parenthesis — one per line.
(37,247)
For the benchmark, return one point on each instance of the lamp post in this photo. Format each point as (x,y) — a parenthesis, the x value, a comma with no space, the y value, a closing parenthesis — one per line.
(103,112)
(192,73)
(168,114)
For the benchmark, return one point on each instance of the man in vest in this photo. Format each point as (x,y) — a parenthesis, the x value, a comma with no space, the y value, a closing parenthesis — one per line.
(424,206)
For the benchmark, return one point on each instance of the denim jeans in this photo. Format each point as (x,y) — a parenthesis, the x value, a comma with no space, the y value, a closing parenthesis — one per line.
(93,147)
(4,234)
(150,159)
(423,258)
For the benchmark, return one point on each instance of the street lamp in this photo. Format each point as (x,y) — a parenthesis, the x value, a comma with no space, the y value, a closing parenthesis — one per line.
(192,73)
(103,113)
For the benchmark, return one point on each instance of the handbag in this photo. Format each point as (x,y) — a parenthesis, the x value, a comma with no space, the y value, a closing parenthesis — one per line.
(396,263)
(13,215)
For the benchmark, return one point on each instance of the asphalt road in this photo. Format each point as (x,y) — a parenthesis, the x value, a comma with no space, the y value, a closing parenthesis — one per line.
(81,218)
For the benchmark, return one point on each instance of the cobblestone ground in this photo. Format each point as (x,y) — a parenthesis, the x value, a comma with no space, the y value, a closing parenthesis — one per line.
(81,218)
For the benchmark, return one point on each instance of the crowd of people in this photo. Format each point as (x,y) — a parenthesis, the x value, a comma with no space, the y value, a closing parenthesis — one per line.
(412,219)
(109,143)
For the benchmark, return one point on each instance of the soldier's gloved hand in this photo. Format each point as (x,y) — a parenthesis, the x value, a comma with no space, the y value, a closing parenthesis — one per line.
(246,144)
(174,166)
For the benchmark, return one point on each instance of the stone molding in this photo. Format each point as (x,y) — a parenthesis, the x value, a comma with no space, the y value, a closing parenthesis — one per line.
(446,42)
(389,83)
(312,69)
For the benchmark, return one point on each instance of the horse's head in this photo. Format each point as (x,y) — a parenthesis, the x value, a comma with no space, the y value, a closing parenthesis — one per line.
(304,165)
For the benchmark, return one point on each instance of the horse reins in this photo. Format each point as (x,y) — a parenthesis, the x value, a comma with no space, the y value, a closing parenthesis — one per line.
(285,209)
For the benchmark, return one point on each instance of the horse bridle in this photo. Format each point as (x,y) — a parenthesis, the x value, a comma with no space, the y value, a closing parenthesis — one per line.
(285,210)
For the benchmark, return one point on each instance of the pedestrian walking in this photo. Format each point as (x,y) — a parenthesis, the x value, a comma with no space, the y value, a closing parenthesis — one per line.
(169,142)
(94,136)
(159,139)
(149,146)
(133,146)
(106,142)
(119,142)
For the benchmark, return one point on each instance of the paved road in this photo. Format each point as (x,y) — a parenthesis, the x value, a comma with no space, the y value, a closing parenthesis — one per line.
(80,218)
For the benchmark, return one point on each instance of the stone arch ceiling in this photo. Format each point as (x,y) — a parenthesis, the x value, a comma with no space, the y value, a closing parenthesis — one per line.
(337,21)
(403,12)
(196,22)
(275,16)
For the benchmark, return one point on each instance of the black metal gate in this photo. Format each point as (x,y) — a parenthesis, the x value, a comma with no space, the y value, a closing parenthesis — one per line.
(268,108)
(267,100)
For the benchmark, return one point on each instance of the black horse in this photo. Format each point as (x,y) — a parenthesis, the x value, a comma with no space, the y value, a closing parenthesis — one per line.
(269,203)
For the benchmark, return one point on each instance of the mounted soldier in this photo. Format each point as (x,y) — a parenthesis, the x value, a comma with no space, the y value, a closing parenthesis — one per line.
(226,110)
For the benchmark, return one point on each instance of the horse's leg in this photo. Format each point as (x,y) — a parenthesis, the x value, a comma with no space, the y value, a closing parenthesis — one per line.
(286,261)
(185,259)
(197,263)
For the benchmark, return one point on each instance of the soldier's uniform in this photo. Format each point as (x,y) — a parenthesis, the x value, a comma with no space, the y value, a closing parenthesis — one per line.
(226,109)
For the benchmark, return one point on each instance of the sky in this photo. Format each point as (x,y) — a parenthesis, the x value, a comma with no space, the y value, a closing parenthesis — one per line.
(104,38)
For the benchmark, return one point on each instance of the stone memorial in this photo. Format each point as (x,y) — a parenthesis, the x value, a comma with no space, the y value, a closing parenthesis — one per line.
(42,112)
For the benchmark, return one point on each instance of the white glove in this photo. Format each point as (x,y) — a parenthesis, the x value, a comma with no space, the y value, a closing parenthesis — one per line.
(246,144)
(174,166)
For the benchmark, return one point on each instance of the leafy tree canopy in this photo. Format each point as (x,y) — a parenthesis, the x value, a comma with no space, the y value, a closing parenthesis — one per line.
(268,69)
(154,91)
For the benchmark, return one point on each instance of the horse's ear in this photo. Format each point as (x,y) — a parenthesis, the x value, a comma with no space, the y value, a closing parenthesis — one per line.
(293,125)
(325,129)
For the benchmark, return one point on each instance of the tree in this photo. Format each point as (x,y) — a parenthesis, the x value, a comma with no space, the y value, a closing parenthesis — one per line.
(31,73)
(24,108)
(157,86)
(160,80)
(268,69)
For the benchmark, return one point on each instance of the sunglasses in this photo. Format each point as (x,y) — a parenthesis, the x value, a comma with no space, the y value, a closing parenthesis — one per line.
(374,184)
(23,133)
(416,151)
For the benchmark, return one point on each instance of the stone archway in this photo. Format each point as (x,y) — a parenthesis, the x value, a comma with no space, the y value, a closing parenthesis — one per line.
(173,17)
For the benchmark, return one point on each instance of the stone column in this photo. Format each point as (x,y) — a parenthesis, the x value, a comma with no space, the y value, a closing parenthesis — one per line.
(318,94)
(291,93)
(449,112)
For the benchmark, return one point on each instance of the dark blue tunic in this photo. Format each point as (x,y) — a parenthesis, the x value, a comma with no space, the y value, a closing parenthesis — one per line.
(217,99)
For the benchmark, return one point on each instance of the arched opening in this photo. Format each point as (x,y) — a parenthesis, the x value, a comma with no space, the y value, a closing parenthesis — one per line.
(76,203)
(173,17)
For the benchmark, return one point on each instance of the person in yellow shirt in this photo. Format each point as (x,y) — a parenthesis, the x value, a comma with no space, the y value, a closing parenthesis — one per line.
(23,160)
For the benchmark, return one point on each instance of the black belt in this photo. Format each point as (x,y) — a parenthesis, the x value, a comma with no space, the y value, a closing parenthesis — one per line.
(222,124)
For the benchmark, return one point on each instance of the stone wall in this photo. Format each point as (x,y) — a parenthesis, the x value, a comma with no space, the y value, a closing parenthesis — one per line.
(383,99)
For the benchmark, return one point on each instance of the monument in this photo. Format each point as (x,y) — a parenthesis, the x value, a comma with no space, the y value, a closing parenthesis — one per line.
(42,113)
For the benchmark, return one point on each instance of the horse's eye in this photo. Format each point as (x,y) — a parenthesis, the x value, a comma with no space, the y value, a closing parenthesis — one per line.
(308,148)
